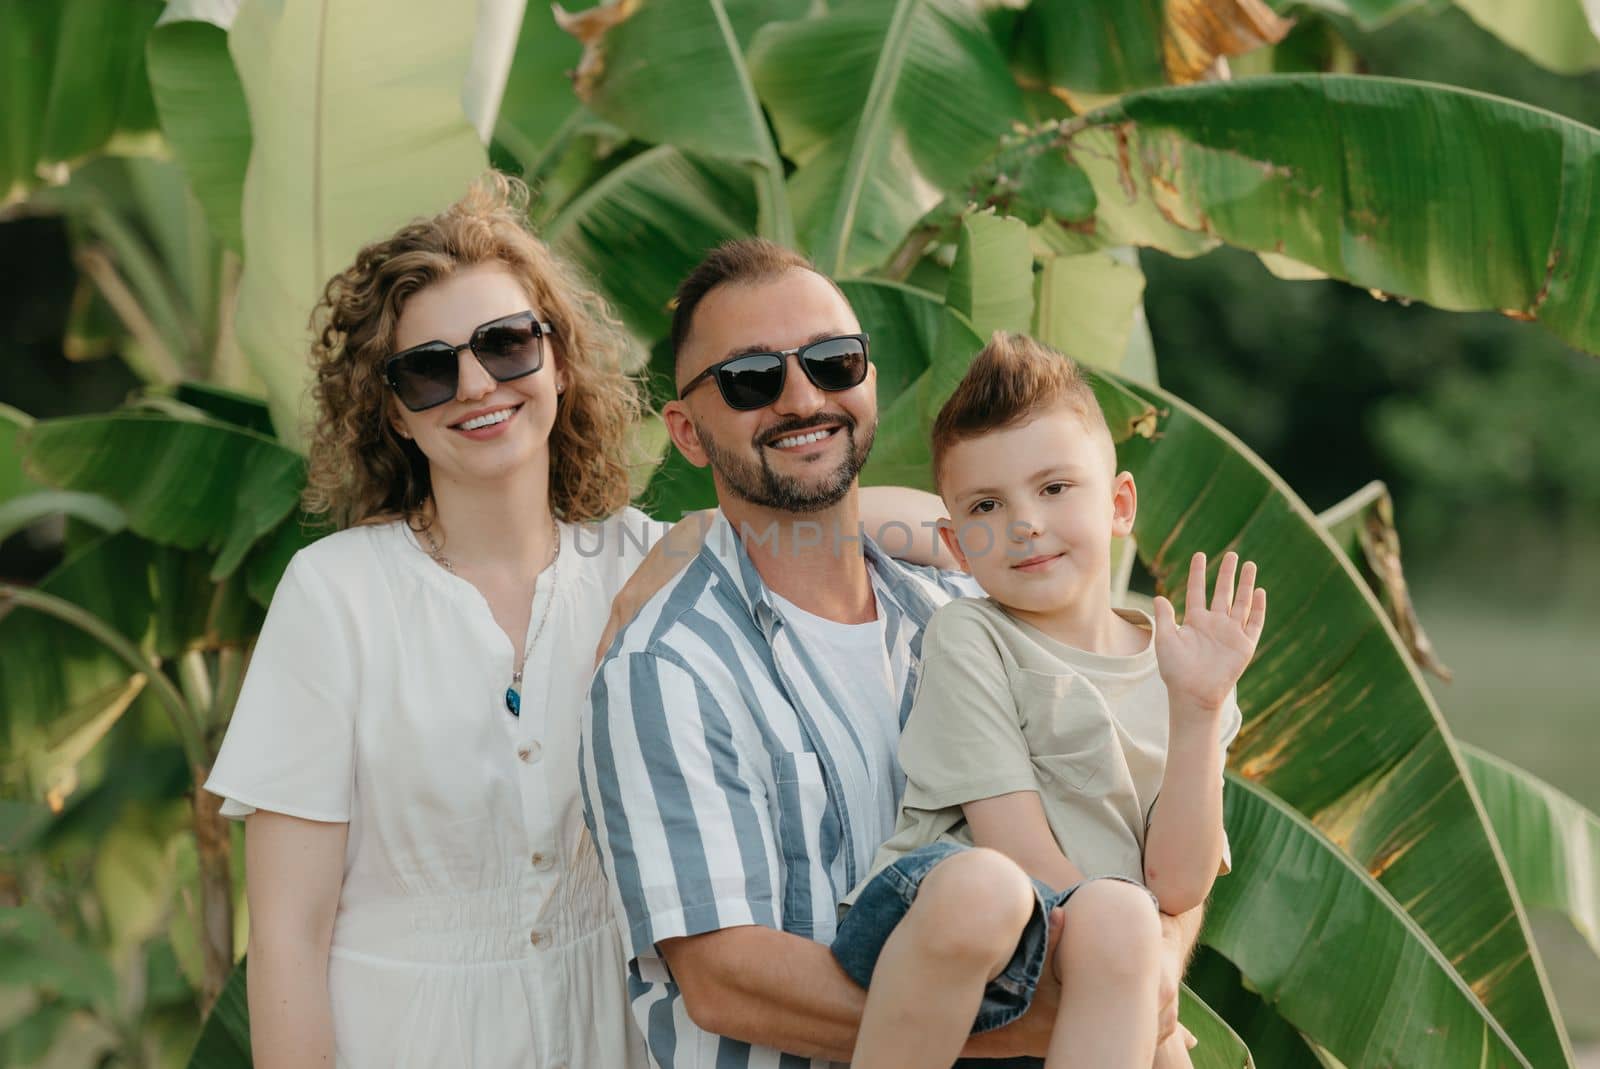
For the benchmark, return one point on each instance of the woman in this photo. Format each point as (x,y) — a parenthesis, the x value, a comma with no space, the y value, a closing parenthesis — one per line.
(422,888)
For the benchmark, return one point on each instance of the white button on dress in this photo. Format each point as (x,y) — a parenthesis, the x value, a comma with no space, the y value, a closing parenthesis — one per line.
(473,926)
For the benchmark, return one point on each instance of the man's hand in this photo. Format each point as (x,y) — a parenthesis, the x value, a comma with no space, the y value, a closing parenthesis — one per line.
(1177,940)
(1028,1035)
(1203,660)
(1167,991)
(666,559)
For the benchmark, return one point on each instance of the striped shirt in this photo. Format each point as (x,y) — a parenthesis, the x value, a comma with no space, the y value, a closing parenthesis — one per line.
(725,782)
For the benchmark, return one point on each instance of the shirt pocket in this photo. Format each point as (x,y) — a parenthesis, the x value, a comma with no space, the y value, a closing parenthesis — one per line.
(800,813)
(1067,727)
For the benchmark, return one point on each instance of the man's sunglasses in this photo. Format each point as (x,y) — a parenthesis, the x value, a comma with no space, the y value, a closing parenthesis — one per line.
(755,380)
(425,376)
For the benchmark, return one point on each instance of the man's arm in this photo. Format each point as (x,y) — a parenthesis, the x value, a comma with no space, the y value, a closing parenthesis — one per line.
(769,988)
(773,989)
(1178,937)
(901,520)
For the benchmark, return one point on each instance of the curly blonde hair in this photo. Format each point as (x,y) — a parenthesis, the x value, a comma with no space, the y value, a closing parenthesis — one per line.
(361,471)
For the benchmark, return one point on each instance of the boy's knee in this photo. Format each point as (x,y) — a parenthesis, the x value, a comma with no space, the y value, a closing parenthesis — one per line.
(973,906)
(1113,928)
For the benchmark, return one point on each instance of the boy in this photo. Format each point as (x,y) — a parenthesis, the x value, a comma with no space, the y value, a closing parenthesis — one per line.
(1046,727)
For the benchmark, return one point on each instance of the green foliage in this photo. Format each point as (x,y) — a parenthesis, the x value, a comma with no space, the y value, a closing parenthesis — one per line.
(202,106)
(73,84)
(860,99)
(1512,437)
(1552,842)
(349,141)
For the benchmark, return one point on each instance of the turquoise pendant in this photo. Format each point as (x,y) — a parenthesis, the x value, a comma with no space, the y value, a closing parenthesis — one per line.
(513,701)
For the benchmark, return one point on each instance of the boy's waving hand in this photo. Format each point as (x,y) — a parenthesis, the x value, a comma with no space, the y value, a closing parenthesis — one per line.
(1202,660)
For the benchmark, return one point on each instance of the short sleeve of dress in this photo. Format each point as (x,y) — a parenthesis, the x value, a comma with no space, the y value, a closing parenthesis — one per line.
(290,745)
(963,740)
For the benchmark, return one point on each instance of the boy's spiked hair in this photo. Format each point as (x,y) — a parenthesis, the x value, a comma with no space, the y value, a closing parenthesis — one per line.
(1011,379)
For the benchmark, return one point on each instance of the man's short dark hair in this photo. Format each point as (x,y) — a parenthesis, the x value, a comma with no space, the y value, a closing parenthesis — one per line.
(745,260)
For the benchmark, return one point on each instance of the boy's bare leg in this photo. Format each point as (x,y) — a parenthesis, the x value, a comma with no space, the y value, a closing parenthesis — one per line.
(959,933)
(1109,963)
(1173,1054)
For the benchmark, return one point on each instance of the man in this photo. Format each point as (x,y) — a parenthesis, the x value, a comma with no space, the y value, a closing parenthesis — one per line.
(739,766)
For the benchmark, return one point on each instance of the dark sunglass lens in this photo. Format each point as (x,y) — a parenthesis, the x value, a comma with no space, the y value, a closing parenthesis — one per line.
(751,381)
(836,364)
(424,377)
(509,350)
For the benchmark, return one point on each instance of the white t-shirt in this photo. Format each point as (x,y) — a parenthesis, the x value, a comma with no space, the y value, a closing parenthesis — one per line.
(472,926)
(855,661)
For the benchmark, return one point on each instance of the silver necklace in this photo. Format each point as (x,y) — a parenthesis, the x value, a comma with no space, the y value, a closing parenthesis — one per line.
(514,691)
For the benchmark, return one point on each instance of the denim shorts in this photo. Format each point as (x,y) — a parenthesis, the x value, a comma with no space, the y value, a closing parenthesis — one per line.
(883,903)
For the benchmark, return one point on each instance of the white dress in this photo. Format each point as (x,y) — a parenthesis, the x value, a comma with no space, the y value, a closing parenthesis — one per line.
(473,927)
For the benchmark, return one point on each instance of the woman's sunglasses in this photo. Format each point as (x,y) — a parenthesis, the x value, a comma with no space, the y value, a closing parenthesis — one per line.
(755,380)
(426,375)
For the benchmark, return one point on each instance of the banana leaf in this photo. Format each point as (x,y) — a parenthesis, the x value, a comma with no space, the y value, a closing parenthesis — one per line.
(1102,47)
(22,512)
(1098,47)
(991,288)
(659,69)
(1090,308)
(643,226)
(75,83)
(1552,844)
(538,98)
(144,244)
(229,406)
(1337,955)
(1219,1046)
(157,468)
(903,323)
(225,1038)
(60,689)
(1272,1040)
(202,105)
(861,98)
(1396,186)
(1561,35)
(349,141)
(1337,722)
(270,557)
(14,478)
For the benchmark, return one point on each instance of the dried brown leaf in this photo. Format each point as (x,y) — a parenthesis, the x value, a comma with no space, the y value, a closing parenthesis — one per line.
(1380,543)
(1199,32)
(590,28)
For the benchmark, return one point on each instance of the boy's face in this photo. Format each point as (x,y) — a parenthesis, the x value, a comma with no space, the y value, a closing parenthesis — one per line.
(1033,508)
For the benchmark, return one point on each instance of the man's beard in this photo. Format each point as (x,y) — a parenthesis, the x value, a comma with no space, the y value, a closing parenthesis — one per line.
(755,481)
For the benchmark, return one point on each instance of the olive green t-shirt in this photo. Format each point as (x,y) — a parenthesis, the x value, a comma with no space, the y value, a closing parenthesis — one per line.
(1002,707)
